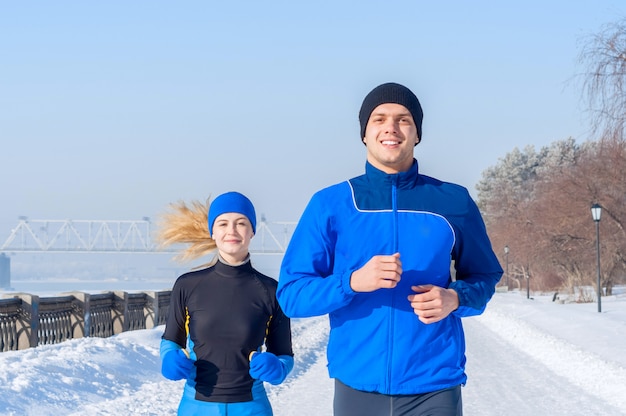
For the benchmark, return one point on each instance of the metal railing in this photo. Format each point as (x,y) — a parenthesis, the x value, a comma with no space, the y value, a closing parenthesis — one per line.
(27,320)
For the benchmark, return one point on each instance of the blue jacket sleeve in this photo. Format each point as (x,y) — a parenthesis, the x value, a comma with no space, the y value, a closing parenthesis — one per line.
(307,286)
(477,267)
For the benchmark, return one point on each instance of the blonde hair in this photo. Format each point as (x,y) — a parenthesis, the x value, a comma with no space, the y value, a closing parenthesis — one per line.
(186,224)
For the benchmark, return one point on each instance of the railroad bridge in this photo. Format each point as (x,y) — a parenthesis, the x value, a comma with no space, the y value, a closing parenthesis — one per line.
(114,236)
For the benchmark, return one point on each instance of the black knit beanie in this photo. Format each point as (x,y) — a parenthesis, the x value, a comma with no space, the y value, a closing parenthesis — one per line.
(391,93)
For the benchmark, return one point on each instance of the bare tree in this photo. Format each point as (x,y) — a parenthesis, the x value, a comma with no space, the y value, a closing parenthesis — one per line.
(505,194)
(562,212)
(604,81)
(538,203)
(604,163)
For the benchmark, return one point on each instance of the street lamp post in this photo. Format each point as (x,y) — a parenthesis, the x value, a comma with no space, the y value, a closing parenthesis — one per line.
(506,256)
(596,212)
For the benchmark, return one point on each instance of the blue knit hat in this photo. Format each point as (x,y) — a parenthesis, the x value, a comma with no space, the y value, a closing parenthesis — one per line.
(391,93)
(231,202)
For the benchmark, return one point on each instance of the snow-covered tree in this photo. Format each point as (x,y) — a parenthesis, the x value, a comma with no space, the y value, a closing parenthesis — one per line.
(604,80)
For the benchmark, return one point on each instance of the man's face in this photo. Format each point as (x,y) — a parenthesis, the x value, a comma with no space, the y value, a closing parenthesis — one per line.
(390,136)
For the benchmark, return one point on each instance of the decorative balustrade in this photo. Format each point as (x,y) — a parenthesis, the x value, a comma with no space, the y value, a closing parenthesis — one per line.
(27,320)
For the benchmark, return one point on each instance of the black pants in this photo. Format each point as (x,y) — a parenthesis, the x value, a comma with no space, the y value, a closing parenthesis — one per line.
(351,402)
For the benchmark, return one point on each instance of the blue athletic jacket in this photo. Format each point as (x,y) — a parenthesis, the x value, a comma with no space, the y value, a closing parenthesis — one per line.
(377,343)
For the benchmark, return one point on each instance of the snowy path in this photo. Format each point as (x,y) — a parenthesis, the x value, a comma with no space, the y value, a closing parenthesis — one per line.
(524,358)
(308,391)
(506,380)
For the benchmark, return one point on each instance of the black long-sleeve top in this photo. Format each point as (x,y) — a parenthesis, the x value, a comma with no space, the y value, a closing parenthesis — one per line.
(226,312)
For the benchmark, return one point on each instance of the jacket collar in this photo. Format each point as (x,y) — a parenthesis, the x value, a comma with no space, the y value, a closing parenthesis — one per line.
(401,179)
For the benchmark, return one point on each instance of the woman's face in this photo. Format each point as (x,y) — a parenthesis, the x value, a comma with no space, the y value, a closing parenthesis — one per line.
(232,233)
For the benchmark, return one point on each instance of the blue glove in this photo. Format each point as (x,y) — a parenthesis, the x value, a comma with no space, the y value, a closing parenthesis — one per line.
(267,367)
(176,365)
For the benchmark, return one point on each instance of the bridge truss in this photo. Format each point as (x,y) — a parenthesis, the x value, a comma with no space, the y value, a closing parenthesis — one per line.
(119,236)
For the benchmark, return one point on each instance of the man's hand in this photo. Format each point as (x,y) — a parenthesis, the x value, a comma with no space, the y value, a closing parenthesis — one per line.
(380,272)
(433,303)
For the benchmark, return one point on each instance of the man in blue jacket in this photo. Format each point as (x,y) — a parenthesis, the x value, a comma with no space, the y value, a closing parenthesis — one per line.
(396,259)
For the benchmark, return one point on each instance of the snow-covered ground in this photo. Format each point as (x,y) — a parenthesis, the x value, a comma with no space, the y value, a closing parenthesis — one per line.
(525,357)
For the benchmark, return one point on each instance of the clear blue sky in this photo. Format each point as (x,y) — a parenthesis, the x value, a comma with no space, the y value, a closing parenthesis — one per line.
(111,110)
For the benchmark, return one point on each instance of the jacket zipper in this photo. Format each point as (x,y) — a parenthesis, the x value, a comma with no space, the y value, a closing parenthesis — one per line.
(394,208)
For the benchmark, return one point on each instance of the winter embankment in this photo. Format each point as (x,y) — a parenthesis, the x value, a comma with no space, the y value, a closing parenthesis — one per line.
(525,357)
